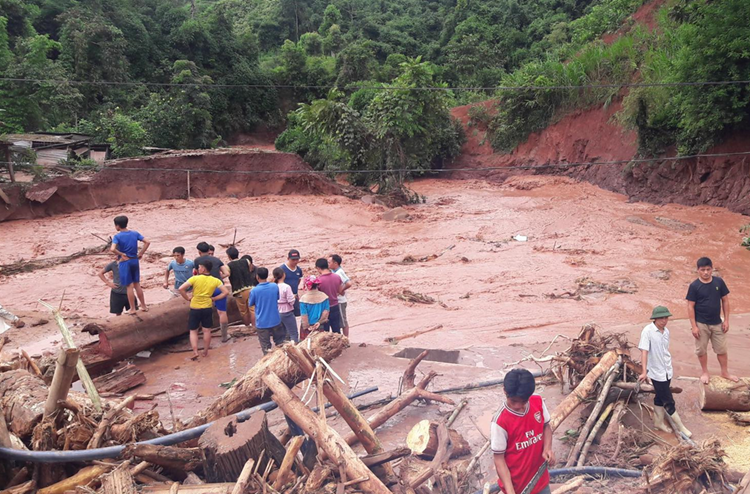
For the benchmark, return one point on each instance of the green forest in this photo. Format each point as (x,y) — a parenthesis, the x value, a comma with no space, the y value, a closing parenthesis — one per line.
(365,84)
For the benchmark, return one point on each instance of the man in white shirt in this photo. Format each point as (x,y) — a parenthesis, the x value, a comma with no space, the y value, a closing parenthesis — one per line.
(657,366)
(334,262)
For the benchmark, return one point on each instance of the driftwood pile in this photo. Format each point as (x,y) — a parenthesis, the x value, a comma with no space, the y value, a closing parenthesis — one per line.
(230,456)
(605,378)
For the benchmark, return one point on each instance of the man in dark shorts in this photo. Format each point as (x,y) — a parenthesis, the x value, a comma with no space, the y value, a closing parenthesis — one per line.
(125,245)
(293,275)
(242,278)
(218,271)
(707,298)
(118,295)
(202,299)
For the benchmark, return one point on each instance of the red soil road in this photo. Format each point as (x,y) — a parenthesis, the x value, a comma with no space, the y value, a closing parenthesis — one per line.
(114,186)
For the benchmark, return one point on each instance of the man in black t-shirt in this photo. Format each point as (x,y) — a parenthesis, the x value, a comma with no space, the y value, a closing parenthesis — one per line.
(707,298)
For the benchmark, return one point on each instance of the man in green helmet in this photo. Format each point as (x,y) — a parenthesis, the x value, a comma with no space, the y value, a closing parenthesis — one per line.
(657,366)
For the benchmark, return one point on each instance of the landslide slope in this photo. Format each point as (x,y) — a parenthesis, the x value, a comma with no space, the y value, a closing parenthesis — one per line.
(591,126)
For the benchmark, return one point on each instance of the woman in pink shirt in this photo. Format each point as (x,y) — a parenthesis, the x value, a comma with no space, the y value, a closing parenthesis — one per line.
(286,304)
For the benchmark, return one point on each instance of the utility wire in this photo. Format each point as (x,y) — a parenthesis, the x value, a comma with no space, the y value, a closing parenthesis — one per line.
(402,170)
(376,87)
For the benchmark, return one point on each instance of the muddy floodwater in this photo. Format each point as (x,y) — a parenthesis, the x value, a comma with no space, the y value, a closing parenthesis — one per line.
(503,269)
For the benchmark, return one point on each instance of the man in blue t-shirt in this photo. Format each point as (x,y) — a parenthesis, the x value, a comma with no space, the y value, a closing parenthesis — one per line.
(183,269)
(266,318)
(125,245)
(293,276)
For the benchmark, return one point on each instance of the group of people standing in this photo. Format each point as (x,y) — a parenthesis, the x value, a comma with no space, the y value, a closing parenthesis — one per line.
(270,302)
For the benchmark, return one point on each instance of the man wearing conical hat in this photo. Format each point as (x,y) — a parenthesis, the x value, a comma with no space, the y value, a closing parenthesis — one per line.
(657,366)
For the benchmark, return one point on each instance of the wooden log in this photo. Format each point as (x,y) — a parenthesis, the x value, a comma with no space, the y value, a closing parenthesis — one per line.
(228,444)
(83,374)
(83,477)
(121,379)
(249,390)
(356,422)
(644,388)
(423,440)
(106,420)
(243,480)
(584,432)
(583,390)
(571,485)
(65,371)
(410,372)
(123,337)
(171,457)
(744,487)
(34,368)
(25,488)
(285,470)
(5,440)
(723,394)
(442,455)
(325,438)
(22,398)
(594,431)
(35,264)
(386,456)
(119,481)
(317,478)
(224,488)
(137,428)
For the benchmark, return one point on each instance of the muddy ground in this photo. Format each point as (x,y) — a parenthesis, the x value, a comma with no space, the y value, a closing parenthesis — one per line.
(589,256)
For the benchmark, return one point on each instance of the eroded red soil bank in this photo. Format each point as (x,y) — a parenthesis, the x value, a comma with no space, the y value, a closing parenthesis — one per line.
(165,177)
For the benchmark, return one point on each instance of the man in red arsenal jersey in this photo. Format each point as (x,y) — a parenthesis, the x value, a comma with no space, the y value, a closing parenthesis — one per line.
(521,438)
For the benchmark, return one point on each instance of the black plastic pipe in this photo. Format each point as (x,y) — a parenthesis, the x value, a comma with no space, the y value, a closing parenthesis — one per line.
(557,472)
(114,451)
(483,384)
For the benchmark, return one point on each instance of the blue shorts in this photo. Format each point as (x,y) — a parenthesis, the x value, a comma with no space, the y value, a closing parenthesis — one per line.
(130,272)
(220,304)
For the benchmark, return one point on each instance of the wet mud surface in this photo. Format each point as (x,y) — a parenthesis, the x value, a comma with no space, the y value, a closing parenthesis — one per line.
(581,254)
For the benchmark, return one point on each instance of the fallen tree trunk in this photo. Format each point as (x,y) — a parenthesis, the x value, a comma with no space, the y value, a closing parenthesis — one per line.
(23,266)
(22,398)
(583,390)
(249,390)
(225,488)
(723,394)
(65,371)
(325,437)
(171,457)
(423,440)
(643,388)
(83,477)
(123,337)
(341,403)
(228,444)
(119,481)
(121,379)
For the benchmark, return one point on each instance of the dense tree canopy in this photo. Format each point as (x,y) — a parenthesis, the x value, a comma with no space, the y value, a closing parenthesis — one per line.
(191,73)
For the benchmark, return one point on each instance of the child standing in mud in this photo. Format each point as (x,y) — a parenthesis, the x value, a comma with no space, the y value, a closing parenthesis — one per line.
(707,298)
(202,300)
(125,245)
(521,437)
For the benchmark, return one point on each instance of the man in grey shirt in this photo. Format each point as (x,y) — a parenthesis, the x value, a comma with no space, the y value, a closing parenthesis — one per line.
(118,296)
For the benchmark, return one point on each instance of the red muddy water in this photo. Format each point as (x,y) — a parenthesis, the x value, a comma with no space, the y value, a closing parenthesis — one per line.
(496,297)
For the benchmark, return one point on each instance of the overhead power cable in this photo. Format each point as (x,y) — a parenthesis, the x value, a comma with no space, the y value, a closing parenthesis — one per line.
(406,170)
(374,87)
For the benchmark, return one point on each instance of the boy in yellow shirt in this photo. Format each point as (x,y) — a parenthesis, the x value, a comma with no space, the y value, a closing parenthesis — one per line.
(201,304)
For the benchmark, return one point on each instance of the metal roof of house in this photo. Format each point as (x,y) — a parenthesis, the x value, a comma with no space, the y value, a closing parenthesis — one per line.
(47,138)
